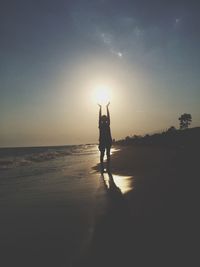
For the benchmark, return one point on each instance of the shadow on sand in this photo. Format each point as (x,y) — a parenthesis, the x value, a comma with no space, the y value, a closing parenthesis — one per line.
(123,239)
(113,232)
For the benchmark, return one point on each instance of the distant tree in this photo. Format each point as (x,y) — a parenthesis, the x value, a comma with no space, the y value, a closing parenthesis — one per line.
(127,139)
(171,129)
(136,136)
(185,120)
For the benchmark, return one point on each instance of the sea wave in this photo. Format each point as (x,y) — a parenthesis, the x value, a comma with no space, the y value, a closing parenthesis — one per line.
(6,163)
(85,150)
(26,156)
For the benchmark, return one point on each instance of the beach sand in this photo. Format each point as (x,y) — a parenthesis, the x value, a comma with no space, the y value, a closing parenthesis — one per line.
(154,223)
(66,213)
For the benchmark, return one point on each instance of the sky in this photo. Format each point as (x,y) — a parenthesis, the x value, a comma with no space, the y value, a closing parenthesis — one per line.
(54,54)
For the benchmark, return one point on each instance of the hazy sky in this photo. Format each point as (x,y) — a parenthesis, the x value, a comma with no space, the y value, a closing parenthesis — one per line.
(53,54)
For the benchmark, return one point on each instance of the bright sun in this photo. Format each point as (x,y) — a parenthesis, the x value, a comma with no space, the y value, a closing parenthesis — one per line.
(102,95)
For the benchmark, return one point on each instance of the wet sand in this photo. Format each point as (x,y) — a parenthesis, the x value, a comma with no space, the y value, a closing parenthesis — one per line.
(50,210)
(47,211)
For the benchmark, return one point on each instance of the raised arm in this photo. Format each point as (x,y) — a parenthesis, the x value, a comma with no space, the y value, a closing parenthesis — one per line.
(108,113)
(99,113)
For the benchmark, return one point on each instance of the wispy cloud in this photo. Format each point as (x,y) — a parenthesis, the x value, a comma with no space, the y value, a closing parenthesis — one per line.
(108,40)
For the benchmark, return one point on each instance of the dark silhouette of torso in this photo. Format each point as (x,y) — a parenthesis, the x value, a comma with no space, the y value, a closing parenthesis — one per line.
(105,138)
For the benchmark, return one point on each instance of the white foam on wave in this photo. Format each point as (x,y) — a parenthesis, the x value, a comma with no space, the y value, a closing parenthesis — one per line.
(36,155)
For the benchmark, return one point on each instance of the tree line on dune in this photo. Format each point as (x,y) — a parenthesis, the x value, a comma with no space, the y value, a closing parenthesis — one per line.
(171,137)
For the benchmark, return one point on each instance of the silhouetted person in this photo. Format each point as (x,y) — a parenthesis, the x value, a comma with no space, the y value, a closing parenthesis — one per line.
(105,139)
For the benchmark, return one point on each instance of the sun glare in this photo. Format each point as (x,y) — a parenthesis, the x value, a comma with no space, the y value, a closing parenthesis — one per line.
(102,95)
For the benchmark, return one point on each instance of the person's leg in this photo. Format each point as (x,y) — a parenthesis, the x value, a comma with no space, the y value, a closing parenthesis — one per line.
(102,151)
(108,153)
(108,157)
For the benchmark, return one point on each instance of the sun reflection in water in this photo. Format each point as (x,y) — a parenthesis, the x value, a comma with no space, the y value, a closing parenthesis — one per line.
(113,150)
(124,183)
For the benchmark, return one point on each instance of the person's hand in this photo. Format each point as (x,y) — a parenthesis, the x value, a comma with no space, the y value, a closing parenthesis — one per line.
(99,105)
(108,104)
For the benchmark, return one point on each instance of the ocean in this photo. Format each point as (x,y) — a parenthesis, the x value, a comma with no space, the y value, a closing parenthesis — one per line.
(11,158)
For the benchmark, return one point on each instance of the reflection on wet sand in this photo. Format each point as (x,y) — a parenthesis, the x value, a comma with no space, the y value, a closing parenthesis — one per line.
(123,183)
(112,239)
(113,150)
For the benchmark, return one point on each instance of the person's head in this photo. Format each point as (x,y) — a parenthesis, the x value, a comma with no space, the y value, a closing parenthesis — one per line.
(104,119)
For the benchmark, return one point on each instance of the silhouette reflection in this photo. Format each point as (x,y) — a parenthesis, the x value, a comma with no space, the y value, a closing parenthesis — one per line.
(113,231)
(110,185)
(117,183)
